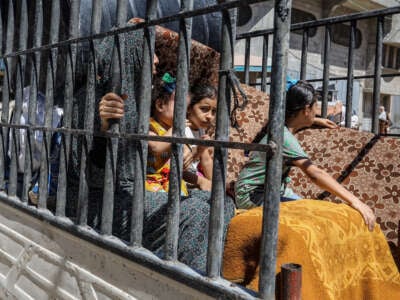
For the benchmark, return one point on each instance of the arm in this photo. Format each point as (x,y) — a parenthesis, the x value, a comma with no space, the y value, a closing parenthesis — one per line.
(203,183)
(160,147)
(324,123)
(328,183)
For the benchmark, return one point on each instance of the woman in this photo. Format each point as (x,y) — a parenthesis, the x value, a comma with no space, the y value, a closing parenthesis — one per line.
(300,113)
(194,208)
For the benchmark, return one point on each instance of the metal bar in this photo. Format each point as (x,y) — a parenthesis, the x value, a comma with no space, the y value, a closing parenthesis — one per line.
(264,64)
(175,176)
(247,61)
(332,20)
(143,126)
(304,51)
(215,243)
(19,96)
(82,209)
(48,117)
(148,23)
(378,73)
(267,264)
(350,71)
(291,282)
(69,91)
(146,137)
(327,63)
(6,93)
(34,81)
(112,143)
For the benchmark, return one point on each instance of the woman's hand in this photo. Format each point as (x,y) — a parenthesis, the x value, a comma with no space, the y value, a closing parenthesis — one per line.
(366,212)
(325,123)
(111,106)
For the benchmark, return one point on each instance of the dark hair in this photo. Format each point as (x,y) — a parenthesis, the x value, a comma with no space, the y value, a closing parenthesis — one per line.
(199,92)
(159,93)
(299,96)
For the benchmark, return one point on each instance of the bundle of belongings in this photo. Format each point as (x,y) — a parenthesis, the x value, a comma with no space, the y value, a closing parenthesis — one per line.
(340,258)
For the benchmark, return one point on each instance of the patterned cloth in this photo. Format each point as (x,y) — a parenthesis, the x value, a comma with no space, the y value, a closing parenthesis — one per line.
(252,176)
(340,258)
(158,166)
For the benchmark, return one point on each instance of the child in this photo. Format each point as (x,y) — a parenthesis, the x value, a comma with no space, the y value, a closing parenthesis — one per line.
(159,153)
(201,115)
(300,112)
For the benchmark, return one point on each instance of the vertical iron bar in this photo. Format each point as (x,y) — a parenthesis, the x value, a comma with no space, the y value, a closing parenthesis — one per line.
(327,64)
(8,63)
(215,243)
(175,176)
(49,101)
(350,75)
(291,282)
(89,116)
(378,73)
(264,63)
(282,14)
(304,51)
(112,143)
(19,96)
(69,90)
(143,125)
(34,81)
(247,61)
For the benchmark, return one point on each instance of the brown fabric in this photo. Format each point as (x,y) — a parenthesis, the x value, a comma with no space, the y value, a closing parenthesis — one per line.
(375,175)
(340,258)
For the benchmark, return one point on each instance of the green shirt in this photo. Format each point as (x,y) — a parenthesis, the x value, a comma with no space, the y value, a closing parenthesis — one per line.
(252,175)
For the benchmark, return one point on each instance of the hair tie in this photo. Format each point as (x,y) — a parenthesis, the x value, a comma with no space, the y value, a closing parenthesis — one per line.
(290,82)
(169,83)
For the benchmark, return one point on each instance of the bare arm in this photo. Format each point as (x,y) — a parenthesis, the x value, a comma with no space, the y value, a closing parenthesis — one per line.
(160,147)
(328,183)
(325,123)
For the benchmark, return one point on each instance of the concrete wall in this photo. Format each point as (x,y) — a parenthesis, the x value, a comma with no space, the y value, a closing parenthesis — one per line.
(39,261)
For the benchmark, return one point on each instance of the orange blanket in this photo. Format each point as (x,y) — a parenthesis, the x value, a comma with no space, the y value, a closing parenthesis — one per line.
(340,258)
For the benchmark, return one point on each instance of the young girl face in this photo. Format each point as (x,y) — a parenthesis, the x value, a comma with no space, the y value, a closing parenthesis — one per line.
(202,114)
(165,110)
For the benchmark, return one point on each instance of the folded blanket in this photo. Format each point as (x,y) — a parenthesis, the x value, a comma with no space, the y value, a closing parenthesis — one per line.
(340,258)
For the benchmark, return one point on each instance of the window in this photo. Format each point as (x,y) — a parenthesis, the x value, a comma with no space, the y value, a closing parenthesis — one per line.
(341,35)
(390,57)
(299,16)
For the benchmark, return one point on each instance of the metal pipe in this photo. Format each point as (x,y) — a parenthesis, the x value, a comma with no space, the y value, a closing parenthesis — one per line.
(6,90)
(112,143)
(304,51)
(33,93)
(49,101)
(143,126)
(291,282)
(175,176)
(19,97)
(247,61)
(89,116)
(69,91)
(377,77)
(282,14)
(215,243)
(327,63)
(264,64)
(350,71)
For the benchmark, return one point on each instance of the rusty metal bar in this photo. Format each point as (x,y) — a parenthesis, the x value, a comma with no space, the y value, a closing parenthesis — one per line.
(264,63)
(325,84)
(276,118)
(378,74)
(291,281)
(350,74)
(304,51)
(175,176)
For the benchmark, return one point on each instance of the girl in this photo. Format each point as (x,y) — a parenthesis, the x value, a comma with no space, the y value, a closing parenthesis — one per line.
(201,115)
(300,113)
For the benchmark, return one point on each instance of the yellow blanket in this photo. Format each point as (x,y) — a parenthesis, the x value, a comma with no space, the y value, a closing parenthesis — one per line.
(340,258)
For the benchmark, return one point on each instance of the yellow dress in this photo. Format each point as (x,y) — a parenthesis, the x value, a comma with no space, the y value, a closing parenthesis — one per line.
(158,166)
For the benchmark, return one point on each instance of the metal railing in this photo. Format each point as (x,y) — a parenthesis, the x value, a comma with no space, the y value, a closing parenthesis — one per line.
(36,66)
(326,24)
